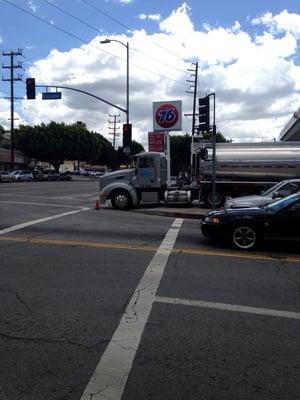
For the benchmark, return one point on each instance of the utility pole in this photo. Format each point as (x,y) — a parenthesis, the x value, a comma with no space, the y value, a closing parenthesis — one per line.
(12,79)
(193,90)
(114,132)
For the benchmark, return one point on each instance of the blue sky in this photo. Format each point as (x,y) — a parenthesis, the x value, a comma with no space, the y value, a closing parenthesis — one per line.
(214,32)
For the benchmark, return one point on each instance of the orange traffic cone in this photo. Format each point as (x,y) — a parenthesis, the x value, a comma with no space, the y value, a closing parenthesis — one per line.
(97,205)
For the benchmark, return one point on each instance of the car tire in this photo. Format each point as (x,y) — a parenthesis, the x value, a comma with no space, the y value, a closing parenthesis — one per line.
(244,237)
(121,200)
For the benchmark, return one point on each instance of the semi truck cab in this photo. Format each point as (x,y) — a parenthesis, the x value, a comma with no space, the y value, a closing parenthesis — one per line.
(145,182)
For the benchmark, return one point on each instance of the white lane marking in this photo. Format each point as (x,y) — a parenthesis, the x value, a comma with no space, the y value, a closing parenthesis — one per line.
(229,307)
(38,204)
(111,374)
(70,197)
(38,221)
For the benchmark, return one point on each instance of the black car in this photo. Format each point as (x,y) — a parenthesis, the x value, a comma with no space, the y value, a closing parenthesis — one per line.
(245,227)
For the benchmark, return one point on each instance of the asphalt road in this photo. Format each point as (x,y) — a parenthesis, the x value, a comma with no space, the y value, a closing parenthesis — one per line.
(120,305)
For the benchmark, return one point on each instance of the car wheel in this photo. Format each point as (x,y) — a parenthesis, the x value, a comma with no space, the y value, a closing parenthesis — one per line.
(244,237)
(121,200)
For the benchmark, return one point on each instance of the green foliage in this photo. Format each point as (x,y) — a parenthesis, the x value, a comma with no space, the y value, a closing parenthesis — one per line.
(2,132)
(136,148)
(180,147)
(57,142)
(122,158)
(181,150)
(219,137)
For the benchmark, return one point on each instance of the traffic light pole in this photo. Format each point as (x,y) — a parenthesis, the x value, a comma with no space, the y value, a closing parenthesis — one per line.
(214,137)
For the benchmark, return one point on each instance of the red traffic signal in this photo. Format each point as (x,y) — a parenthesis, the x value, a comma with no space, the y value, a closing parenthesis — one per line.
(30,88)
(127,134)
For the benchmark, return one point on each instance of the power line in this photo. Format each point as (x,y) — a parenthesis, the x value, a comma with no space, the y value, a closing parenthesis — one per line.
(128,27)
(86,42)
(98,31)
(72,16)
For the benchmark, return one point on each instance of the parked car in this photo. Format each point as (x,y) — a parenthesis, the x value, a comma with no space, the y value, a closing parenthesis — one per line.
(278,191)
(5,176)
(50,175)
(23,175)
(245,227)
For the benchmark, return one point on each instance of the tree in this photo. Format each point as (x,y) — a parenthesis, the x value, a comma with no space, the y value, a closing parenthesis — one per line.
(180,148)
(57,142)
(122,158)
(219,137)
(2,132)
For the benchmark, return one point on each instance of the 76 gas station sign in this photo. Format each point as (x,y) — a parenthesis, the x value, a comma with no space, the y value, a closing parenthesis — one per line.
(167,116)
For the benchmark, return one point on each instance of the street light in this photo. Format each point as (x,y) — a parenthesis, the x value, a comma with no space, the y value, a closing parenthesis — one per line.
(105,41)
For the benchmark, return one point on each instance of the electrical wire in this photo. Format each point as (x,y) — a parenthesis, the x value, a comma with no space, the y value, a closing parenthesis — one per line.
(86,42)
(98,31)
(127,27)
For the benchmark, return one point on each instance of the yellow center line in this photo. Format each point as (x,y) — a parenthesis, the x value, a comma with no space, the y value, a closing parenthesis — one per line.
(123,246)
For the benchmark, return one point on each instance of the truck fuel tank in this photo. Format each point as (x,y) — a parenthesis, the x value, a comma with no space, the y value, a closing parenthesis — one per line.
(178,196)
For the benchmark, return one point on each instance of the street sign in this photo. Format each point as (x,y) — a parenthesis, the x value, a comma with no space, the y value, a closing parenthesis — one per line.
(167,116)
(51,95)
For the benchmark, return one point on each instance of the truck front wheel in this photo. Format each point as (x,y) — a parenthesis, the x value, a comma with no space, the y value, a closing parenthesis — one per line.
(121,200)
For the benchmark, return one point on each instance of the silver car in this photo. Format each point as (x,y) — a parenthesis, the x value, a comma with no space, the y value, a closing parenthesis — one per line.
(5,176)
(22,176)
(276,192)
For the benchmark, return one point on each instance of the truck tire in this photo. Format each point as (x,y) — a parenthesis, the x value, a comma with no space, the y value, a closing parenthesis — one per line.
(244,237)
(220,198)
(121,200)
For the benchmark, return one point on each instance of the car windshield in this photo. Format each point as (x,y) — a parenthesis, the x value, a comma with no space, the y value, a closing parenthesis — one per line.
(283,203)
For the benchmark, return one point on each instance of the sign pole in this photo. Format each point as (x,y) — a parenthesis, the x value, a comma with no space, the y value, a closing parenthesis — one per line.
(168,159)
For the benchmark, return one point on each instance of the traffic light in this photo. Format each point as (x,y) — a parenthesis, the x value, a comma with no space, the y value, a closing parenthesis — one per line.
(30,88)
(204,114)
(204,153)
(127,132)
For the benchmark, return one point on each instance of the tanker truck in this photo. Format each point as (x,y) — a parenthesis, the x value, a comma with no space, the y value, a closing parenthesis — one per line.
(241,169)
(248,168)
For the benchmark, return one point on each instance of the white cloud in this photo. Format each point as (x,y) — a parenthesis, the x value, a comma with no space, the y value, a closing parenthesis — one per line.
(256,79)
(153,17)
(125,1)
(1,40)
(282,22)
(32,6)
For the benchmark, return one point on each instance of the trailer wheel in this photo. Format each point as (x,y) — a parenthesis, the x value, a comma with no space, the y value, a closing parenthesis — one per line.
(219,199)
(121,200)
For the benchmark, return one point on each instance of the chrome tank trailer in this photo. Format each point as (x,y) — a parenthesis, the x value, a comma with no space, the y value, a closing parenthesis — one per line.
(254,161)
